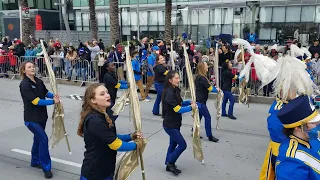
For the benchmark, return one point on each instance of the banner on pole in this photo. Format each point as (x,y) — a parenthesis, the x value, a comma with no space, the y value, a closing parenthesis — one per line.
(25,13)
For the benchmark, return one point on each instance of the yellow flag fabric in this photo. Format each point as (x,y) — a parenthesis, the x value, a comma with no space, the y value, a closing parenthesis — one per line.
(130,160)
(58,128)
(196,142)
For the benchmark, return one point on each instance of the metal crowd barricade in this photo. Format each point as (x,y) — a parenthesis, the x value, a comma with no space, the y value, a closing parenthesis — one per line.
(9,65)
(29,58)
(254,83)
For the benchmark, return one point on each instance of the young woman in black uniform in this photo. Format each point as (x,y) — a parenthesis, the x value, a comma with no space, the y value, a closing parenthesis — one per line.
(100,136)
(34,94)
(112,83)
(203,87)
(160,71)
(172,108)
(227,78)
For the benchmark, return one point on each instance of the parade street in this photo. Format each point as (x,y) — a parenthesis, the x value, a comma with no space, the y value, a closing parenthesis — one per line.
(237,156)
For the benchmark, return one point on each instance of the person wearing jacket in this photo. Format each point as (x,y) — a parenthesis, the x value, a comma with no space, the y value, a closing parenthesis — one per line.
(150,72)
(160,72)
(71,59)
(56,61)
(299,153)
(112,83)
(227,78)
(19,49)
(99,61)
(94,50)
(203,87)
(172,109)
(100,136)
(138,74)
(34,94)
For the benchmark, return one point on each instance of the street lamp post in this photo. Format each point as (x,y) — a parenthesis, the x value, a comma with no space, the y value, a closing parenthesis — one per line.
(63,7)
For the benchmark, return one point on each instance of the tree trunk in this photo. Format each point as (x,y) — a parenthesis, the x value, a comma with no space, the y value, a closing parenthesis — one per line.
(168,27)
(26,25)
(114,20)
(93,19)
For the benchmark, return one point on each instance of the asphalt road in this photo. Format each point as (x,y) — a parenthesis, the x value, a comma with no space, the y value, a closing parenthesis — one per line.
(237,156)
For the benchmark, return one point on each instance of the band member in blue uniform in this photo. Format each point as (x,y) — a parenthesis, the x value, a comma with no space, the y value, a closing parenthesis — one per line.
(227,78)
(172,109)
(203,87)
(299,157)
(150,73)
(286,89)
(100,136)
(112,83)
(160,72)
(34,94)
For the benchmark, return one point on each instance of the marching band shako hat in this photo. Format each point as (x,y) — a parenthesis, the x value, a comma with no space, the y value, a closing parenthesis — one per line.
(298,112)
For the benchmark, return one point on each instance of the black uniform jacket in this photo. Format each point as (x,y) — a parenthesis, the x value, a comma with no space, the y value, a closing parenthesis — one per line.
(227,77)
(171,99)
(99,160)
(202,92)
(29,92)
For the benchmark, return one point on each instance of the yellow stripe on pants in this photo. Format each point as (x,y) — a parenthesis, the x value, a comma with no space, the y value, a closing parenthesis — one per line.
(267,172)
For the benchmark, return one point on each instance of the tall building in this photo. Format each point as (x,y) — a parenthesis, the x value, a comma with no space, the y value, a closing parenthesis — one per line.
(46,10)
(269,19)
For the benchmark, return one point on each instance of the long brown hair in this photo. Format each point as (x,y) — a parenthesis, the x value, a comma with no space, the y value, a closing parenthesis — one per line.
(22,69)
(201,71)
(88,107)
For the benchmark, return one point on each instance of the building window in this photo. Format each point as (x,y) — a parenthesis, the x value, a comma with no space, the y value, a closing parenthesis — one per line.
(99,2)
(125,17)
(317,14)
(215,16)
(265,14)
(100,19)
(75,4)
(161,17)
(54,6)
(143,18)
(31,3)
(278,14)
(153,18)
(83,2)
(227,16)
(204,16)
(40,4)
(78,18)
(194,17)
(308,13)
(47,4)
(293,14)
(85,19)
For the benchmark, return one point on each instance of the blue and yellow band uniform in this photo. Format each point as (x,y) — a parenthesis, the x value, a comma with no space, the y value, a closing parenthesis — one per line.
(298,158)
(276,137)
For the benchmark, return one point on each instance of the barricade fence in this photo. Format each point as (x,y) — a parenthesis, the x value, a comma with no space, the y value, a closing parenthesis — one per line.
(80,70)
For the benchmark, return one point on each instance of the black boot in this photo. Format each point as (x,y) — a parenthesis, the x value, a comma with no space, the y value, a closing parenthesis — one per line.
(213,139)
(178,170)
(232,117)
(37,166)
(48,174)
(172,168)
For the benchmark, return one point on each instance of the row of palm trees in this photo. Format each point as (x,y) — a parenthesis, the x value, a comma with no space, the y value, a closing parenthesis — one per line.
(114,21)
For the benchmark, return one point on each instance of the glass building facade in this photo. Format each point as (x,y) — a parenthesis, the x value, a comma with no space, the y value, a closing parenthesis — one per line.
(207,18)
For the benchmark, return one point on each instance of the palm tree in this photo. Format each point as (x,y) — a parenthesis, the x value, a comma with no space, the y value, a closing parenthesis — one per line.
(167,25)
(26,25)
(93,19)
(114,20)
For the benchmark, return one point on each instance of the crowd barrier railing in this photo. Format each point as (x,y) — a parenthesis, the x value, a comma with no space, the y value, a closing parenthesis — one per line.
(83,71)
(9,65)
